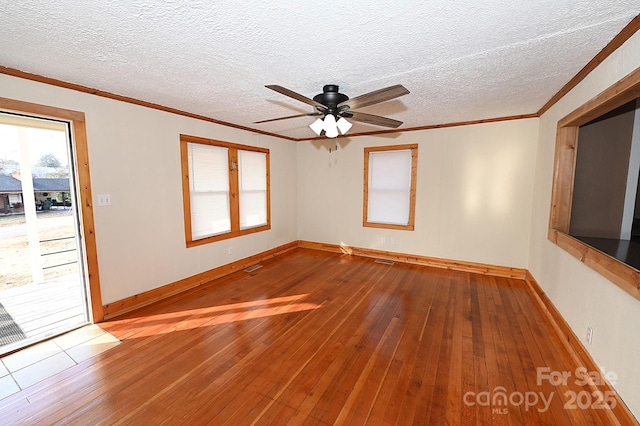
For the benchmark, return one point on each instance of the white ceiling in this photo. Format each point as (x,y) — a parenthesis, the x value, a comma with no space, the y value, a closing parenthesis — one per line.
(461,60)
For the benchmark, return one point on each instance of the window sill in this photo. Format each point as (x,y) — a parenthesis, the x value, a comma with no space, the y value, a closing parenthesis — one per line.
(227,235)
(624,276)
(387,226)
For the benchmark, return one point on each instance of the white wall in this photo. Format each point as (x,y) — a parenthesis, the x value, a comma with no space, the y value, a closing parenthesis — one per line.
(134,155)
(473,201)
(582,296)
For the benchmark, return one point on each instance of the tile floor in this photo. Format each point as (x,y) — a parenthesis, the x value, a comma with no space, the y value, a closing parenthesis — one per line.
(22,369)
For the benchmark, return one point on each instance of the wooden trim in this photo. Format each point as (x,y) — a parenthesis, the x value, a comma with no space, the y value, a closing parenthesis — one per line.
(234,198)
(86,199)
(234,191)
(429,127)
(41,110)
(412,193)
(391,147)
(618,94)
(630,29)
(626,33)
(228,235)
(620,414)
(137,301)
(414,182)
(365,191)
(454,265)
(225,144)
(563,178)
(268,171)
(388,225)
(84,89)
(623,275)
(59,83)
(78,128)
(186,193)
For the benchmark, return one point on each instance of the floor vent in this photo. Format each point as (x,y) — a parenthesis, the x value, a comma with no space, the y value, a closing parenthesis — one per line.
(385,261)
(253,268)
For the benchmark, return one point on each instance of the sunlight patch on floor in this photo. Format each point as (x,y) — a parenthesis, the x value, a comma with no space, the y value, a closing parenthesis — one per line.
(215,315)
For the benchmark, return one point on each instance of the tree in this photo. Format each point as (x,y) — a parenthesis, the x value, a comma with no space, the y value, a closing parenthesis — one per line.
(6,164)
(49,160)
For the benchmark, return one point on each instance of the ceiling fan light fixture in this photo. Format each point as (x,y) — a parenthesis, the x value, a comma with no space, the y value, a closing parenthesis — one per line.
(317,126)
(343,125)
(330,127)
(332,104)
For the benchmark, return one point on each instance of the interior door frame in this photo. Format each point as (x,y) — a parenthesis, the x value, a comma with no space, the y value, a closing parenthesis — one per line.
(79,136)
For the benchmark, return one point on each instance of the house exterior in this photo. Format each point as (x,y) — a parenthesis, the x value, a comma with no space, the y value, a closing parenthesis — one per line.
(49,192)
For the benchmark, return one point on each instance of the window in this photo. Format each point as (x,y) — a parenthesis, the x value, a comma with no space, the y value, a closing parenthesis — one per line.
(564,178)
(390,186)
(225,189)
(252,168)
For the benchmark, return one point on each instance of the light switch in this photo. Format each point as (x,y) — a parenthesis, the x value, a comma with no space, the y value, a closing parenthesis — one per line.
(104,200)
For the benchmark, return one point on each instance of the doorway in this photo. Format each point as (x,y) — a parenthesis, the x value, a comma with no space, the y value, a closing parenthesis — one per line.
(44,280)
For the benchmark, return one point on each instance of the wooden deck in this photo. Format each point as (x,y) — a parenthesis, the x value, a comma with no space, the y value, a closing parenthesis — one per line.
(46,309)
(317,338)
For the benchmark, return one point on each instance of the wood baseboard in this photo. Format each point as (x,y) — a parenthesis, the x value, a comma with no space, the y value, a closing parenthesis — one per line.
(454,265)
(620,413)
(137,301)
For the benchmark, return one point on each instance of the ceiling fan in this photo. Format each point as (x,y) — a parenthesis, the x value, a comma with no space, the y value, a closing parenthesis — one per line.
(335,108)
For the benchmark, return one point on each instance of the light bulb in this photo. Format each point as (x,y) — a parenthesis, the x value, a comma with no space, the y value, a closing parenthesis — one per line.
(317,126)
(330,127)
(343,125)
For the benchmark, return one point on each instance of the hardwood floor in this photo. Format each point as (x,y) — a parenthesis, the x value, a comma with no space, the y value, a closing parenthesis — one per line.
(316,338)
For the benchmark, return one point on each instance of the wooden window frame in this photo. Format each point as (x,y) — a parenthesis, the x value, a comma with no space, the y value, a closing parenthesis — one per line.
(412,194)
(623,275)
(234,190)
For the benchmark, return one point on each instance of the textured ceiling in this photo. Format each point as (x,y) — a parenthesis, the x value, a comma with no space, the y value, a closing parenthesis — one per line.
(461,60)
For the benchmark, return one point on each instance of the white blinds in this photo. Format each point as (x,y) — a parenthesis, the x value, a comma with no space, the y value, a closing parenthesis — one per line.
(209,190)
(252,177)
(389,187)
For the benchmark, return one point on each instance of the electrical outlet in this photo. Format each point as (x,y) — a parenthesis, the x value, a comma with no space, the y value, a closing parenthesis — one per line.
(384,241)
(589,334)
(230,250)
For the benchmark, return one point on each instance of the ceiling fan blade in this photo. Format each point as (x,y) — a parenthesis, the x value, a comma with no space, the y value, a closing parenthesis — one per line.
(373,119)
(294,95)
(311,114)
(377,96)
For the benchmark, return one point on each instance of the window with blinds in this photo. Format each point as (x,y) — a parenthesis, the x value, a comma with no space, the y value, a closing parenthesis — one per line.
(253,188)
(389,186)
(208,190)
(225,189)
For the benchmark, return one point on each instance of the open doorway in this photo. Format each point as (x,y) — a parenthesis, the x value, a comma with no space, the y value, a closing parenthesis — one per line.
(46,227)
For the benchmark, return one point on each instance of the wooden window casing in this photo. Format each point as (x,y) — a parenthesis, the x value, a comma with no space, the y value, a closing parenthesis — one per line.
(412,196)
(234,191)
(623,275)
(79,134)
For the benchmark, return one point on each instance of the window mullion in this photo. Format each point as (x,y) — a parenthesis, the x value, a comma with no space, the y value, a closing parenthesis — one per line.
(365,204)
(234,199)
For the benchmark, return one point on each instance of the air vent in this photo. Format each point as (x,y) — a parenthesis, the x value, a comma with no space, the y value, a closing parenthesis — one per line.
(253,268)
(385,261)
